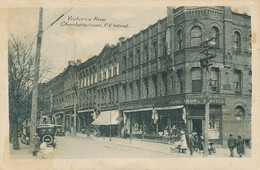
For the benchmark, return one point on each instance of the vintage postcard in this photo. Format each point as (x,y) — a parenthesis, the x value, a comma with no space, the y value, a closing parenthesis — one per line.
(127,85)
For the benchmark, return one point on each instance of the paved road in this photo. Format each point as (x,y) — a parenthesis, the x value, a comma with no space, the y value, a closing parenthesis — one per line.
(78,148)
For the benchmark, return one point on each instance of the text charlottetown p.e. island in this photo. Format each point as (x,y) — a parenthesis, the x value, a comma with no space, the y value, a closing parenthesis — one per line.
(94,22)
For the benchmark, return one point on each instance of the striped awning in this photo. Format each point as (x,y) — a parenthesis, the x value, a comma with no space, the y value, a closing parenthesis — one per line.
(107,118)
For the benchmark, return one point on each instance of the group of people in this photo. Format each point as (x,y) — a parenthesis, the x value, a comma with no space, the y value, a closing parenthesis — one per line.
(192,141)
(238,143)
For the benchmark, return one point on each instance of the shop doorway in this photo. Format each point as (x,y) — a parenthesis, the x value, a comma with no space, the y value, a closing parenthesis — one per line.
(197,126)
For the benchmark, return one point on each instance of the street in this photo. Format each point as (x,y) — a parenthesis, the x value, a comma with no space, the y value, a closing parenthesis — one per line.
(81,147)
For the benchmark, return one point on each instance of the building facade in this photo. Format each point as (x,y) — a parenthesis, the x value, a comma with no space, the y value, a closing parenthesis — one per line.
(154,80)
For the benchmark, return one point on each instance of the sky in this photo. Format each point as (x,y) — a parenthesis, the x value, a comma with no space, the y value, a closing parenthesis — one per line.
(63,43)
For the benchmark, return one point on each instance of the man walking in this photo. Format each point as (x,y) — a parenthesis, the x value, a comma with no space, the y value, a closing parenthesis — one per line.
(231,144)
(191,141)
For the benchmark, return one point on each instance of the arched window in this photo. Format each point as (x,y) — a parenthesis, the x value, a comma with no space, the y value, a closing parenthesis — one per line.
(215,36)
(131,60)
(237,41)
(164,46)
(180,38)
(155,48)
(249,43)
(146,51)
(138,56)
(196,36)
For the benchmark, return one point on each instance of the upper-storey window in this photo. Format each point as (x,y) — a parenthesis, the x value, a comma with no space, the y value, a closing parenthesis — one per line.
(164,46)
(131,60)
(237,81)
(215,36)
(180,38)
(146,53)
(249,43)
(155,49)
(196,80)
(196,36)
(124,62)
(237,41)
(138,56)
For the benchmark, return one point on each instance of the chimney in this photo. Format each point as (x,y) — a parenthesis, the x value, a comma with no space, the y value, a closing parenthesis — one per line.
(78,62)
(72,63)
(121,39)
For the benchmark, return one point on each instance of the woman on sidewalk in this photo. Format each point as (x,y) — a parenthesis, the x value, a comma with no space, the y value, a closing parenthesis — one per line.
(240,146)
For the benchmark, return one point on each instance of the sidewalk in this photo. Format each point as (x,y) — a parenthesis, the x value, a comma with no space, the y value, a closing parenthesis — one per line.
(221,151)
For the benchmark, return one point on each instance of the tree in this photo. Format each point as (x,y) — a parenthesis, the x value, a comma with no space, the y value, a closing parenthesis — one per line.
(20,78)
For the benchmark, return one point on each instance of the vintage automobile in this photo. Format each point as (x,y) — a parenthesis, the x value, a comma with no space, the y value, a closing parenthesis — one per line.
(59,130)
(46,133)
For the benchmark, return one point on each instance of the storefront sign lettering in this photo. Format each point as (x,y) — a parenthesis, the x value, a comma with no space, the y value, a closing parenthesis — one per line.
(197,101)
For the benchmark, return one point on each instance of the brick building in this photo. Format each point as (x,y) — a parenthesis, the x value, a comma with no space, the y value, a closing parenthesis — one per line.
(153,82)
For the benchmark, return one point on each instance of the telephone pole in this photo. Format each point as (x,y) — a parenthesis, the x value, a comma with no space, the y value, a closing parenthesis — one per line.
(204,63)
(35,82)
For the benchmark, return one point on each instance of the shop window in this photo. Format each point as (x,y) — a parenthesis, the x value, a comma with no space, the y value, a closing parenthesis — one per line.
(214,80)
(177,121)
(237,81)
(237,41)
(196,36)
(180,39)
(196,79)
(215,36)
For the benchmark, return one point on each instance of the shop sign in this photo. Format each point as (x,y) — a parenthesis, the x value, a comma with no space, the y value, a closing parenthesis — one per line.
(197,101)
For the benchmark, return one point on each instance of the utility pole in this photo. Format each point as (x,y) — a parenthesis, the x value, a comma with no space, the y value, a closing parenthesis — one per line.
(75,88)
(35,82)
(204,62)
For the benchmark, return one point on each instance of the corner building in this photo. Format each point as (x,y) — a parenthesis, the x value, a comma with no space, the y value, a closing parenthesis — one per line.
(153,82)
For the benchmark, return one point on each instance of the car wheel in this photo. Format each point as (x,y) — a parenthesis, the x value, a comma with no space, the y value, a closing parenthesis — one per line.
(48,139)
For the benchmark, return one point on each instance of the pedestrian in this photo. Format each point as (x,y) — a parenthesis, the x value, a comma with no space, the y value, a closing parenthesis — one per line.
(196,142)
(201,143)
(231,144)
(240,146)
(183,143)
(37,143)
(191,142)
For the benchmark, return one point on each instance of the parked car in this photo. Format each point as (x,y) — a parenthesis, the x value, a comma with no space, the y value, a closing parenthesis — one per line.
(46,133)
(59,130)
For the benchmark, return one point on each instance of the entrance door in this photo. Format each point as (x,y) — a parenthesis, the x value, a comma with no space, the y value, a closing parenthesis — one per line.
(197,126)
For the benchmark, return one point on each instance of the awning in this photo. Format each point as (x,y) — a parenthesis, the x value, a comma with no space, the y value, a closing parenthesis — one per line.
(169,107)
(84,111)
(107,118)
(138,110)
